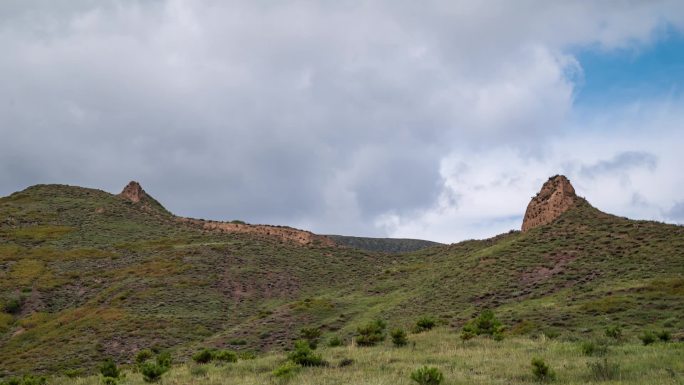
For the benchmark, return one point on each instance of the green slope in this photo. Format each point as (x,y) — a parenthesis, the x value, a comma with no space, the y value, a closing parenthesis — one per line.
(387,245)
(99,276)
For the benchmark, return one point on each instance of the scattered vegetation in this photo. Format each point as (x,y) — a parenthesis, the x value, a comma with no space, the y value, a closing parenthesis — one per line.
(427,376)
(371,334)
(542,371)
(303,355)
(399,338)
(424,323)
(485,324)
(603,370)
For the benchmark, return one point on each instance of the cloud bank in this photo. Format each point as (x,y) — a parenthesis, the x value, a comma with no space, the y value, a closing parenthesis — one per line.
(436,119)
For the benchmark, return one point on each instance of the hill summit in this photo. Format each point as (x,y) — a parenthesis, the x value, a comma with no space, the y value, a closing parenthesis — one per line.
(133,192)
(555,197)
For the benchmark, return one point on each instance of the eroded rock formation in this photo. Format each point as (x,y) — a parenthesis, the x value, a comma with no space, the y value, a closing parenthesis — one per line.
(133,192)
(556,196)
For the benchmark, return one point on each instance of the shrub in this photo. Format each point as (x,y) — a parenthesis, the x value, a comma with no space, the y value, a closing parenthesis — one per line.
(591,348)
(164,359)
(424,323)
(110,381)
(311,335)
(143,356)
(541,370)
(664,335)
(203,356)
(225,356)
(371,334)
(303,355)
(13,305)
(286,370)
(108,369)
(647,337)
(247,355)
(466,334)
(152,371)
(603,370)
(614,332)
(485,324)
(551,334)
(427,376)
(334,342)
(399,337)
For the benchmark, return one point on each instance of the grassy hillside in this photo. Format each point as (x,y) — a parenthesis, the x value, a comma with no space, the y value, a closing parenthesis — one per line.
(387,245)
(86,275)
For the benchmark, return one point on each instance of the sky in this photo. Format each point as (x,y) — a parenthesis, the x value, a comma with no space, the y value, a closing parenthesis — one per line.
(434,119)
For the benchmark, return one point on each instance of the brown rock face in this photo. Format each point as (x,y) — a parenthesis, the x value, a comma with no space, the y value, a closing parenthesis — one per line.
(133,192)
(556,196)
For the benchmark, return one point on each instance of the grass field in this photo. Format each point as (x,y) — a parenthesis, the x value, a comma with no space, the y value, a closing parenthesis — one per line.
(478,361)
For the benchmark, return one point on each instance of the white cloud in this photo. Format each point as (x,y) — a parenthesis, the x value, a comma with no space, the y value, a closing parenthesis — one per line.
(356,118)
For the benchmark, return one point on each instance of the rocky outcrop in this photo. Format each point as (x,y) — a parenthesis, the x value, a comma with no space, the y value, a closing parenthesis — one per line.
(287,234)
(133,192)
(556,196)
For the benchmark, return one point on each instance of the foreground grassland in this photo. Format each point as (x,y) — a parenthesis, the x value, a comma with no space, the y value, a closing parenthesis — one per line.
(478,361)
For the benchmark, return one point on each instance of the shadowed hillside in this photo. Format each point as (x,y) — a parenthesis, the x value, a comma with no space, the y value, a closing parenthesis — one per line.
(85,275)
(387,245)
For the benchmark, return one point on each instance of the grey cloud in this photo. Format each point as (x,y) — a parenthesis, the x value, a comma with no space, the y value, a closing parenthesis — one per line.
(620,163)
(323,115)
(676,213)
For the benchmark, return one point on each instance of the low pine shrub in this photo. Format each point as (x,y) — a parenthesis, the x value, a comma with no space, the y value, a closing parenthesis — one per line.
(664,335)
(603,370)
(647,337)
(143,356)
(108,369)
(593,348)
(311,335)
(399,337)
(424,323)
(371,334)
(427,376)
(164,359)
(303,355)
(286,370)
(152,371)
(614,332)
(13,305)
(225,356)
(485,324)
(334,342)
(203,356)
(542,371)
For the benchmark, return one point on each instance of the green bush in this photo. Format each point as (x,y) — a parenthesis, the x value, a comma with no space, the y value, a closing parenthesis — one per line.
(303,355)
(334,342)
(225,356)
(143,355)
(164,359)
(614,332)
(603,370)
(541,370)
(286,370)
(427,376)
(311,335)
(110,381)
(485,324)
(152,371)
(203,356)
(593,348)
(247,355)
(664,335)
(647,337)
(371,334)
(424,323)
(13,305)
(399,337)
(108,369)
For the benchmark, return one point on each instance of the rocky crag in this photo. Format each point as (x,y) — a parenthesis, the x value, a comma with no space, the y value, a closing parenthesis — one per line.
(556,196)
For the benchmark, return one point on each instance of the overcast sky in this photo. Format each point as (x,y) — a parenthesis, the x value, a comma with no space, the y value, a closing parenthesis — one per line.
(427,119)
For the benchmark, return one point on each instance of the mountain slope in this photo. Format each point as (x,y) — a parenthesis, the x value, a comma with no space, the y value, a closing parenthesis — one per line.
(387,245)
(98,275)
